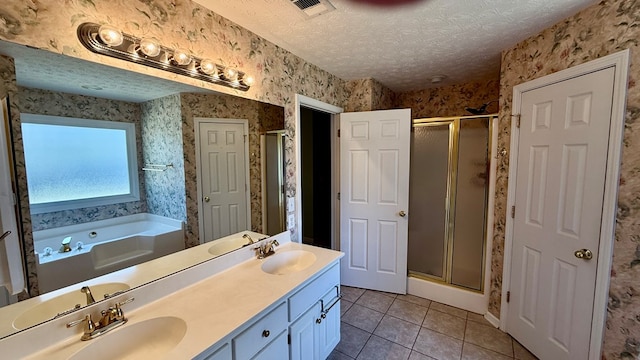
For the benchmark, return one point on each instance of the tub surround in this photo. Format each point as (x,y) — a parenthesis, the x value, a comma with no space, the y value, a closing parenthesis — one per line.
(136,276)
(214,298)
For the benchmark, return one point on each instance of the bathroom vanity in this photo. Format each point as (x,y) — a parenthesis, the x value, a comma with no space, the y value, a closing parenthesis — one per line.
(232,307)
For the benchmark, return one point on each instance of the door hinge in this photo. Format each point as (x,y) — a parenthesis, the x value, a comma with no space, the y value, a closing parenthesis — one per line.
(513,212)
(517,116)
(289,339)
(508,296)
(338,132)
(338,196)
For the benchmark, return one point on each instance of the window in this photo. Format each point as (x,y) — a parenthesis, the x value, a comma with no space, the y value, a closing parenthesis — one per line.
(75,163)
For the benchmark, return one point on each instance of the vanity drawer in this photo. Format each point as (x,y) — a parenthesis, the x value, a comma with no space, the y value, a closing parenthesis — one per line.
(308,295)
(260,333)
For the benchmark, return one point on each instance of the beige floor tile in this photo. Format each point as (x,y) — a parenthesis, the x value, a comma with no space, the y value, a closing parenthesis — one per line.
(488,337)
(417,356)
(407,311)
(344,306)
(473,352)
(362,317)
(375,300)
(448,309)
(414,300)
(352,340)
(477,318)
(337,355)
(521,353)
(445,323)
(378,348)
(350,293)
(396,330)
(439,346)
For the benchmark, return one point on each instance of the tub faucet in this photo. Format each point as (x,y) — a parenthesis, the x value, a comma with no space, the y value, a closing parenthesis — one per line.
(248,237)
(87,291)
(65,247)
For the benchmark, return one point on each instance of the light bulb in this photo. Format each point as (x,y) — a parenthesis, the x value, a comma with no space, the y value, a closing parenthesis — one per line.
(110,35)
(230,73)
(150,47)
(248,80)
(209,67)
(181,56)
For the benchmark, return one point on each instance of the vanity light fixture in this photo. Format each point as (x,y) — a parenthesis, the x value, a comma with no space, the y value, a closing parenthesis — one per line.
(108,40)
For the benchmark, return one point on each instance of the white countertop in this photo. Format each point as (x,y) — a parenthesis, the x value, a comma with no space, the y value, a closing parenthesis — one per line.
(132,276)
(214,307)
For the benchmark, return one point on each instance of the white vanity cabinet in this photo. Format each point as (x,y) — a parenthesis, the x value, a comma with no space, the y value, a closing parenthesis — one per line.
(315,333)
(293,329)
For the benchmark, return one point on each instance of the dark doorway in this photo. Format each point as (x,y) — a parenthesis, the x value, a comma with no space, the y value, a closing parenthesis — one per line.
(315,139)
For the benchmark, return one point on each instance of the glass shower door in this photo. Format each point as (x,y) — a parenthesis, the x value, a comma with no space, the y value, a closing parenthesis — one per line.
(448,200)
(471,202)
(428,198)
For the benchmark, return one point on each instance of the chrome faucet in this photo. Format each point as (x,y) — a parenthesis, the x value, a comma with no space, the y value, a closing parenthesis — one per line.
(110,319)
(87,292)
(267,249)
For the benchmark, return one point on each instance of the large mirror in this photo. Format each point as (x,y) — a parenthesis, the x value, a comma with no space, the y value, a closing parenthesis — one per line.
(180,169)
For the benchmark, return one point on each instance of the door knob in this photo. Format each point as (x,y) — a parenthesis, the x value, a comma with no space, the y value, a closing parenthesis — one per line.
(583,254)
(402,213)
(206,199)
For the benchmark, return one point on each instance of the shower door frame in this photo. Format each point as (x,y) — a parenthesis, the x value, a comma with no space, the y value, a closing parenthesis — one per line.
(452,176)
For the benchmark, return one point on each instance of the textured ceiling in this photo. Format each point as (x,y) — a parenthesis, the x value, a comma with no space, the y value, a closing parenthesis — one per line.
(402,47)
(50,71)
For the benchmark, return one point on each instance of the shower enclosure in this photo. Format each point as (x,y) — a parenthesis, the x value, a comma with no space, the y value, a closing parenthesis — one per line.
(448,189)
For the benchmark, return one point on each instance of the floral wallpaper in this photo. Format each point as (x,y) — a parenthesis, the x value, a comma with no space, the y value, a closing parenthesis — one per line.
(367,95)
(226,107)
(599,30)
(450,100)
(162,145)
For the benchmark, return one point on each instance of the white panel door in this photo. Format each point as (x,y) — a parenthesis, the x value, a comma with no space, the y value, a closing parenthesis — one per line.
(374,198)
(224,182)
(562,159)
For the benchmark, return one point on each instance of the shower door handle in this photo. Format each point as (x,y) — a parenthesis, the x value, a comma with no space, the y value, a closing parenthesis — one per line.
(402,213)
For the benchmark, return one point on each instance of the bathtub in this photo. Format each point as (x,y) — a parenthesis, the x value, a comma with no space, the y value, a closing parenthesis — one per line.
(107,246)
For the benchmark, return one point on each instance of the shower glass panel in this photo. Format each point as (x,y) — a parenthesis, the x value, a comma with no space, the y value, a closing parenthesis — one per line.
(471,201)
(428,201)
(448,189)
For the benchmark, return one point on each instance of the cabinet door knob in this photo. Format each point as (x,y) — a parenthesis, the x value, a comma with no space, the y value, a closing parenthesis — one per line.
(318,320)
(266,333)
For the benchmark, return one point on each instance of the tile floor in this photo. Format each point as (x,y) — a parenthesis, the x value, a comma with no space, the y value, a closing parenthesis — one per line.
(377,325)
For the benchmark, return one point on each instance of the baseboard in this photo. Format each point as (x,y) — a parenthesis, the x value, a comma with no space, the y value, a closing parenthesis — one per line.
(492,319)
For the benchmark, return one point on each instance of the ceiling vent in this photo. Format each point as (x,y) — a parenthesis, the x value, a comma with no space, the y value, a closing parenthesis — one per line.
(313,8)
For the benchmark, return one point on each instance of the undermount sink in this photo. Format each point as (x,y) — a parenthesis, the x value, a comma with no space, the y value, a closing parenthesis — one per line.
(48,309)
(287,262)
(148,339)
